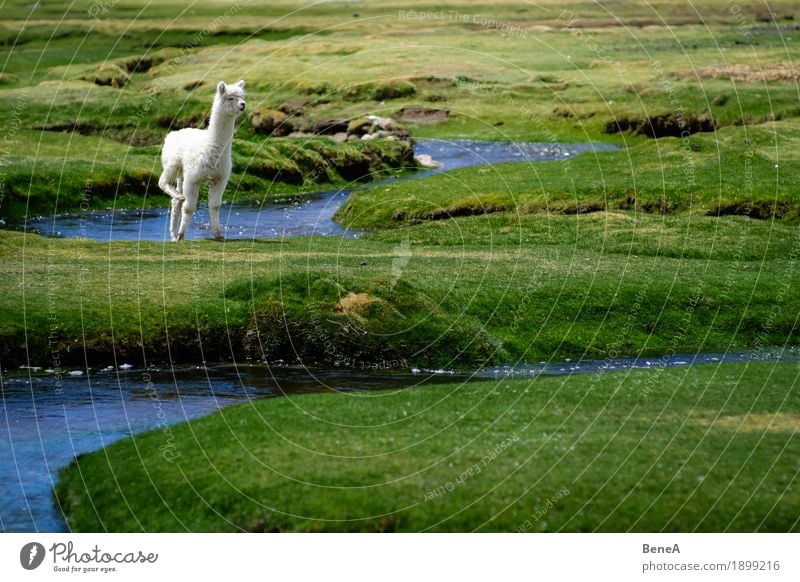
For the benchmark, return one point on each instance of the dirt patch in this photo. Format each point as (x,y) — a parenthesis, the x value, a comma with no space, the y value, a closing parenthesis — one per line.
(192,85)
(422,114)
(475,209)
(755,422)
(649,206)
(295,106)
(783,71)
(663,125)
(569,113)
(173,122)
(142,64)
(758,209)
(584,208)
(117,74)
(331,126)
(270,122)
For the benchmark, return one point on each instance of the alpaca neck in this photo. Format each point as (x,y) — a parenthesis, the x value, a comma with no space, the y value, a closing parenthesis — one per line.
(221,126)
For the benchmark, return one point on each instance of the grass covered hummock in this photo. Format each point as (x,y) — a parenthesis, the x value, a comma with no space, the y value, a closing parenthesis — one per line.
(456,293)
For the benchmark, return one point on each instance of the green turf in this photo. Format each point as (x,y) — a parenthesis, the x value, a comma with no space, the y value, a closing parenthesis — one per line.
(735,171)
(677,244)
(565,73)
(460,292)
(710,448)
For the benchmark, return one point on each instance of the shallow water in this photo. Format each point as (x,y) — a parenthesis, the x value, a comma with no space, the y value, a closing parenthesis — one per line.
(312,216)
(46,421)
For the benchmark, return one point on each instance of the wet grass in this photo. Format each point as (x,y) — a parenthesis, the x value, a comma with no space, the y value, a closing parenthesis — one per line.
(710,448)
(61,171)
(562,74)
(744,171)
(605,255)
(506,288)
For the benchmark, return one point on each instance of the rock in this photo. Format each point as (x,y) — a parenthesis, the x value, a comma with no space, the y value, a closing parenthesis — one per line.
(270,122)
(388,128)
(373,127)
(340,137)
(426,161)
(359,126)
(382,122)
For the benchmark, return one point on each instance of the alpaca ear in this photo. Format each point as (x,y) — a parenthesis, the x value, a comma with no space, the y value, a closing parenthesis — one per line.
(221,88)
(240,83)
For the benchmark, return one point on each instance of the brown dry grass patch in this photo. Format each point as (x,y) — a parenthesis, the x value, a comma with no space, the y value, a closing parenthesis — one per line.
(355,303)
(783,71)
(755,422)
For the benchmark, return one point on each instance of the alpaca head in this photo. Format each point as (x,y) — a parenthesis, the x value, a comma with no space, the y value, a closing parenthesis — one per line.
(231,97)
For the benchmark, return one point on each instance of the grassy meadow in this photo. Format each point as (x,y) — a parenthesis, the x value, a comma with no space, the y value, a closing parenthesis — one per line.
(700,449)
(684,240)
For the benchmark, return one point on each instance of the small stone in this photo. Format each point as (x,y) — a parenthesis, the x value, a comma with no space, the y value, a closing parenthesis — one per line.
(426,161)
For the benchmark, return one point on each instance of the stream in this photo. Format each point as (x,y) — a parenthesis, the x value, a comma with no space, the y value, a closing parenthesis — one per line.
(311,216)
(47,420)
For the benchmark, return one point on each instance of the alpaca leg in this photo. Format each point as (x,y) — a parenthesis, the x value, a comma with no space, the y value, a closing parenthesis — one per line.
(215,192)
(175,218)
(167,180)
(191,189)
(175,209)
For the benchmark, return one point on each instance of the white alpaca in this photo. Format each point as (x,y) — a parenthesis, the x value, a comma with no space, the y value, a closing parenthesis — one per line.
(191,156)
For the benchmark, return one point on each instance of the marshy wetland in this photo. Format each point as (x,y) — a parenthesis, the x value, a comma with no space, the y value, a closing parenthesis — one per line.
(677,234)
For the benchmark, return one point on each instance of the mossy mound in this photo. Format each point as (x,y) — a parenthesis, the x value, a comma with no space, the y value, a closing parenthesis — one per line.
(314,319)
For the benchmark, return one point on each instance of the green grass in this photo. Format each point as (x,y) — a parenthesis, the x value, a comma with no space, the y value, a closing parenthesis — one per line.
(54,172)
(749,172)
(459,292)
(564,80)
(618,253)
(710,448)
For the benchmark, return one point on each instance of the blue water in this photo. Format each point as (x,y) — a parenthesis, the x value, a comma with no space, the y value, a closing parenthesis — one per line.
(311,216)
(46,421)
